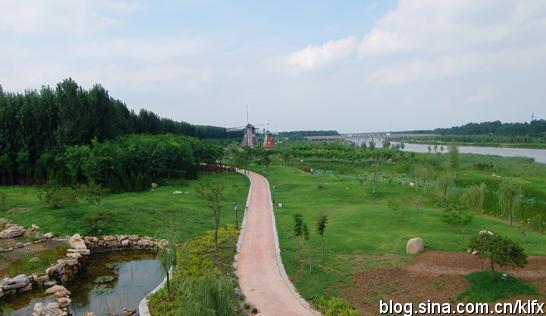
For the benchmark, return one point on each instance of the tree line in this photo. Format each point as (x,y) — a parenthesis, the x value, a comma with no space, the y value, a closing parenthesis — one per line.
(37,126)
(533,128)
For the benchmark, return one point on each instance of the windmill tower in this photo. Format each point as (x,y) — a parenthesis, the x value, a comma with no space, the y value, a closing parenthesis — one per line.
(249,136)
(269,143)
(249,133)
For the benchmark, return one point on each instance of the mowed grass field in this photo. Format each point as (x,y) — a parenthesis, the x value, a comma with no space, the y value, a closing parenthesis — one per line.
(158,213)
(363,231)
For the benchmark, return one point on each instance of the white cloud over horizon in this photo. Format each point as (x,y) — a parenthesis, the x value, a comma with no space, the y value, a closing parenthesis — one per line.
(313,56)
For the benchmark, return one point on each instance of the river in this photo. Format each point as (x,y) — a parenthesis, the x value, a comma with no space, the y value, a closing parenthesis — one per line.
(539,155)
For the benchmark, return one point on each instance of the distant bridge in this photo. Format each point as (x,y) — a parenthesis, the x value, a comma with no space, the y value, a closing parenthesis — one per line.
(364,137)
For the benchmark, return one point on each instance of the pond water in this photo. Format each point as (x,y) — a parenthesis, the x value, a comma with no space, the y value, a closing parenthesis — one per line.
(135,273)
(22,305)
(127,277)
(539,155)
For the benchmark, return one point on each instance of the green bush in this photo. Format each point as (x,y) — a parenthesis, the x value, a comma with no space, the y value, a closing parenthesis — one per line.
(53,196)
(458,218)
(195,267)
(334,306)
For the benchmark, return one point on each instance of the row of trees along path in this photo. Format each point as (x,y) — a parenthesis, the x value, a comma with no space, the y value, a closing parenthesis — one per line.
(261,274)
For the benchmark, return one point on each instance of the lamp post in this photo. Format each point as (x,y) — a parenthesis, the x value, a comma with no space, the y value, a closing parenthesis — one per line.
(236,208)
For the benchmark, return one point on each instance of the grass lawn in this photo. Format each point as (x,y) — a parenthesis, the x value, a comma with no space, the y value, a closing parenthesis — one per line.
(140,213)
(482,287)
(363,231)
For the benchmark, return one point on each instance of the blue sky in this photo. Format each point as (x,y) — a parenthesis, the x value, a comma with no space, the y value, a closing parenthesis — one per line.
(345,65)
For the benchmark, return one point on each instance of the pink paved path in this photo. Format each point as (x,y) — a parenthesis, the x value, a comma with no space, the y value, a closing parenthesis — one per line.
(259,268)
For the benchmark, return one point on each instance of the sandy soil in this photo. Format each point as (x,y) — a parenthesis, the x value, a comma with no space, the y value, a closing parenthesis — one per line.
(435,276)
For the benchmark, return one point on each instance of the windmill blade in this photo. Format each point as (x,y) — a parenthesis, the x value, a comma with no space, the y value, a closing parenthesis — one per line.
(235,129)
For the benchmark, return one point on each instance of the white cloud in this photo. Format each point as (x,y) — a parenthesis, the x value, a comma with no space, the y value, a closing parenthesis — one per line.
(429,39)
(76,17)
(314,56)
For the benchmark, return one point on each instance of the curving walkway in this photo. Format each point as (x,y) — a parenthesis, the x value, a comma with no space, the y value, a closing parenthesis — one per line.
(262,278)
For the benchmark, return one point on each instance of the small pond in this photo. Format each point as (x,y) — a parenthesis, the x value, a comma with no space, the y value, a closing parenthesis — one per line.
(134,274)
(110,282)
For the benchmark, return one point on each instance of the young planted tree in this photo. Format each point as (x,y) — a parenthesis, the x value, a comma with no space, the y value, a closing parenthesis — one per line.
(498,250)
(298,229)
(3,202)
(375,174)
(509,199)
(322,222)
(213,194)
(167,258)
(445,183)
(422,176)
(474,197)
(305,232)
(453,158)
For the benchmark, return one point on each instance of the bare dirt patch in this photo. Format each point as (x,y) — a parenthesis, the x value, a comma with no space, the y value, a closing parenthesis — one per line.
(435,276)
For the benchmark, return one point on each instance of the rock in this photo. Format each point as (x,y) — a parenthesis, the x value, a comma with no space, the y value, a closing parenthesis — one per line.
(50,283)
(17,282)
(90,314)
(51,309)
(81,251)
(34,228)
(19,245)
(34,259)
(485,232)
(128,312)
(64,302)
(125,242)
(40,278)
(3,221)
(26,288)
(415,246)
(77,242)
(12,231)
(58,290)
(48,235)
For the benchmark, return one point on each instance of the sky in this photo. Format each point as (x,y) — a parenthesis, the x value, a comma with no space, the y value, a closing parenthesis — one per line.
(353,66)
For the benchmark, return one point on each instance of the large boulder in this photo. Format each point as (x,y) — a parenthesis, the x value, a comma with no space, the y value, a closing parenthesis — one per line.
(51,309)
(415,246)
(12,232)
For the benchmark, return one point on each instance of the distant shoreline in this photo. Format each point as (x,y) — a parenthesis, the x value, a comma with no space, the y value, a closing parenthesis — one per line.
(499,145)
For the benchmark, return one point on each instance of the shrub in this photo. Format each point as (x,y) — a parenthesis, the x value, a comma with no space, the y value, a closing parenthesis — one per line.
(457,218)
(54,196)
(334,306)
(498,250)
(97,220)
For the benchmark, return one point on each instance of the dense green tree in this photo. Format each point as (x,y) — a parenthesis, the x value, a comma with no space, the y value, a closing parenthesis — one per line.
(36,127)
